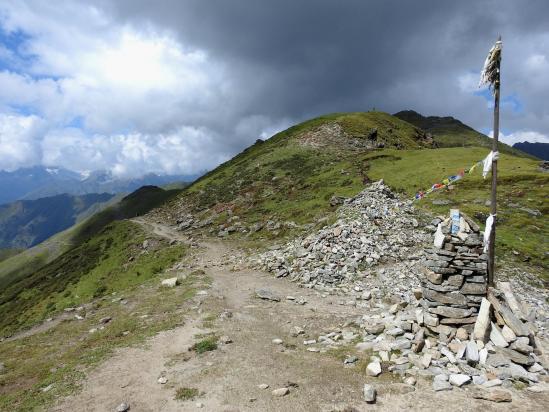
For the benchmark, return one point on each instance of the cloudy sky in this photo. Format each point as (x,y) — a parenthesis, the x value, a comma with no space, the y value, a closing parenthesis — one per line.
(178,86)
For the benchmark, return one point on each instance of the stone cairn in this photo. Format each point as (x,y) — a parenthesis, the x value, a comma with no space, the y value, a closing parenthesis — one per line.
(455,278)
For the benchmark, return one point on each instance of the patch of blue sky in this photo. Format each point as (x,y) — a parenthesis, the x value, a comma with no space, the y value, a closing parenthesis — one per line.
(23,109)
(510,101)
(77,122)
(17,56)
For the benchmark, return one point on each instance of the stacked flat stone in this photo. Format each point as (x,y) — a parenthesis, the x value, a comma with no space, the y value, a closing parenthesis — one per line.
(455,278)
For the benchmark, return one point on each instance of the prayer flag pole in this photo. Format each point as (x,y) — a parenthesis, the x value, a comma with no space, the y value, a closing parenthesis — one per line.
(491,76)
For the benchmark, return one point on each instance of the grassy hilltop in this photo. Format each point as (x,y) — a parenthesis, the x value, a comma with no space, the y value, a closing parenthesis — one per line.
(291,178)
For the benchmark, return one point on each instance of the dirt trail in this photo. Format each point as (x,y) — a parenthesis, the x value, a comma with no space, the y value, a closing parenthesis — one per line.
(229,376)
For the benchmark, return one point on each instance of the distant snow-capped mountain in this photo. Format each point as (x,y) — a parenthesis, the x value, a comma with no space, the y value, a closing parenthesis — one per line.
(38,181)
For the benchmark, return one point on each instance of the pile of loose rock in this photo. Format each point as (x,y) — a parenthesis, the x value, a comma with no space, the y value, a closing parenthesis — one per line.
(374,230)
(451,329)
(455,278)
(395,339)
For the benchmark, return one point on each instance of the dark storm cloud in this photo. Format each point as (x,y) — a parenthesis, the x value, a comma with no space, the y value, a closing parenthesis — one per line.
(201,79)
(294,59)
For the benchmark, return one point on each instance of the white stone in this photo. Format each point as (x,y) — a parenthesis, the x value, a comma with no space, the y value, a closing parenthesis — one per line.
(446,352)
(369,393)
(459,379)
(281,392)
(278,341)
(479,379)
(426,360)
(373,369)
(263,386)
(496,337)
(482,324)
(508,334)
(439,237)
(170,283)
(483,355)
(410,381)
(471,353)
(492,383)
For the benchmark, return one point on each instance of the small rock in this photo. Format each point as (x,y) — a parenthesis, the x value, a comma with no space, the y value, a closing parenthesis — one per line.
(462,334)
(199,405)
(350,360)
(375,329)
(281,392)
(496,337)
(263,386)
(373,369)
(441,385)
(493,382)
(162,380)
(296,331)
(123,407)
(395,332)
(278,341)
(459,379)
(426,360)
(471,353)
(105,320)
(508,334)
(410,380)
(267,294)
(170,283)
(369,393)
(225,340)
(479,380)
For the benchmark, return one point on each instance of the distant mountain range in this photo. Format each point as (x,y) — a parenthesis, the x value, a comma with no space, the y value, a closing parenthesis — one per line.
(38,182)
(540,150)
(25,223)
(448,131)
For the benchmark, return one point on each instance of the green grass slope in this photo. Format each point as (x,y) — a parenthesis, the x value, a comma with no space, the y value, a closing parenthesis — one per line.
(113,274)
(26,223)
(292,176)
(112,260)
(523,190)
(135,204)
(450,132)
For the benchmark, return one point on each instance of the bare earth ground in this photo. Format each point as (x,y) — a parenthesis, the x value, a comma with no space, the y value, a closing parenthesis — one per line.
(229,376)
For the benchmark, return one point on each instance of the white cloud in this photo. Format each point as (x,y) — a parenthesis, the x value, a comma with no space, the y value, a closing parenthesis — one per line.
(468,82)
(185,149)
(522,136)
(142,97)
(18,140)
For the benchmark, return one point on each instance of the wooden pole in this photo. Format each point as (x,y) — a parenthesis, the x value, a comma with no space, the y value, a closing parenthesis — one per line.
(493,205)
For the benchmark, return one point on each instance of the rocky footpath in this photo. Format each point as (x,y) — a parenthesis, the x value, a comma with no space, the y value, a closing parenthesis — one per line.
(376,255)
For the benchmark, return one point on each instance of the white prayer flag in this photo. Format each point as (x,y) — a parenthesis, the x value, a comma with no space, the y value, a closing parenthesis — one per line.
(487,163)
(490,71)
(487,232)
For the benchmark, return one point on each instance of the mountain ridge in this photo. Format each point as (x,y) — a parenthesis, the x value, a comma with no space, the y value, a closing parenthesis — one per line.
(25,223)
(448,131)
(537,149)
(39,182)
